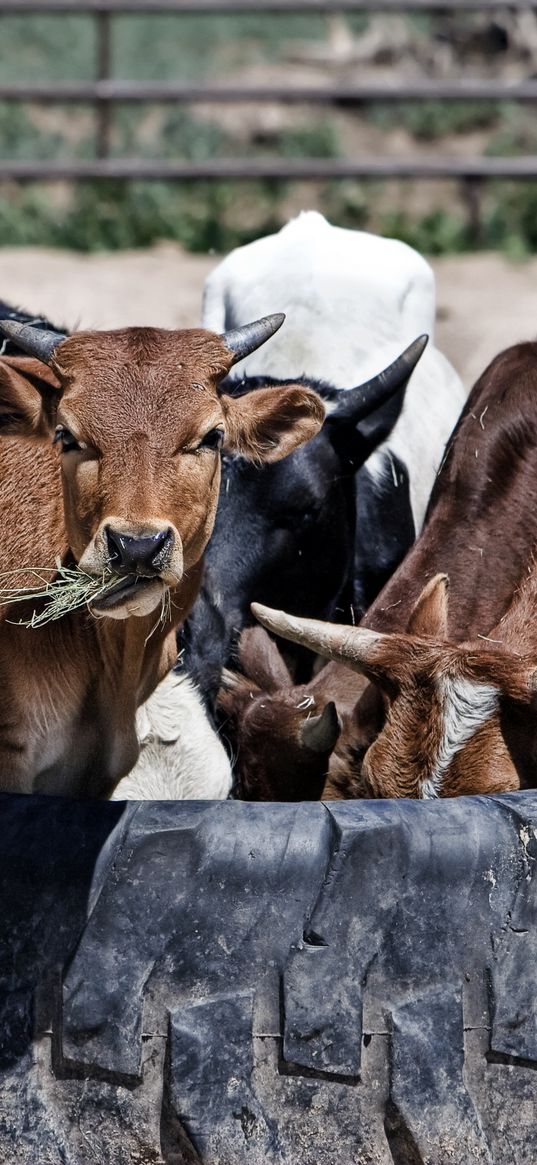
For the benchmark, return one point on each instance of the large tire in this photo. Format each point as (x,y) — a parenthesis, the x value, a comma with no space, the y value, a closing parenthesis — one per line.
(223,983)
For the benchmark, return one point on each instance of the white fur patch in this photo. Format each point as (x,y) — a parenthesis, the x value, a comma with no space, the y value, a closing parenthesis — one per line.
(466,705)
(428,790)
(181,757)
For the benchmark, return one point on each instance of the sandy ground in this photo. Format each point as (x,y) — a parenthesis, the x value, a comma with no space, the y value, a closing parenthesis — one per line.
(484,302)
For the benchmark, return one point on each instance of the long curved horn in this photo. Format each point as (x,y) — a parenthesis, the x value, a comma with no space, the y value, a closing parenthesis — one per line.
(320,733)
(38,342)
(350,645)
(244,340)
(355,403)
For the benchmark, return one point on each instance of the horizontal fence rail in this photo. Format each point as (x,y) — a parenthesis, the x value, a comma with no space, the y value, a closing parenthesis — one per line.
(162,92)
(472,169)
(249,6)
(105,92)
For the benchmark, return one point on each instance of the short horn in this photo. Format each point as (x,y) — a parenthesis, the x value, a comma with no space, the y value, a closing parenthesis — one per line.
(357,403)
(350,645)
(242,341)
(38,342)
(320,733)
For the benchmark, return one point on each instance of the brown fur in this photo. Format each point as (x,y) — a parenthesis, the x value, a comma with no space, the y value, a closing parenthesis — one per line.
(140,400)
(480,527)
(484,499)
(411,670)
(255,719)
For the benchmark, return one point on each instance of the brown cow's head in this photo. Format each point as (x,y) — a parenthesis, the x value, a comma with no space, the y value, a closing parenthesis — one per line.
(281,735)
(139,422)
(443,730)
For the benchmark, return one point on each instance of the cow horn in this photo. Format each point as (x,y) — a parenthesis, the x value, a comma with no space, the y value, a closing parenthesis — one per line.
(320,733)
(38,342)
(356,403)
(242,341)
(350,645)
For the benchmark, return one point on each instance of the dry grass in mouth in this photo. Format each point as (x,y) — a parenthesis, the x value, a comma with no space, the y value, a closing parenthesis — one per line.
(68,589)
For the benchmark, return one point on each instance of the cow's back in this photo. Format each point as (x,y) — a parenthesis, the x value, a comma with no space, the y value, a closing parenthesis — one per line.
(353,300)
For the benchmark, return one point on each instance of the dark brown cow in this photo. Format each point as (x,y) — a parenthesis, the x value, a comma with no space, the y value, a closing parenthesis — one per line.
(130,487)
(253,725)
(480,530)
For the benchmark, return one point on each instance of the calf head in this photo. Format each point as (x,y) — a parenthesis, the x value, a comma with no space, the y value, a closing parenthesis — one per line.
(444,703)
(139,422)
(281,736)
(284,533)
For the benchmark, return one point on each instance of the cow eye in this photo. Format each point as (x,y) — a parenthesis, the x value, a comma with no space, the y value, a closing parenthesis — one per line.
(65,437)
(214,439)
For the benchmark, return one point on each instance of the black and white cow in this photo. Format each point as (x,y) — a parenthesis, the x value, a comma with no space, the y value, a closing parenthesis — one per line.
(327,526)
(289,532)
(354,301)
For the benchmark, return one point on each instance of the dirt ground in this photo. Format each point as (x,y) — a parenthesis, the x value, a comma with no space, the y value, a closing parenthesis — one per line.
(484,301)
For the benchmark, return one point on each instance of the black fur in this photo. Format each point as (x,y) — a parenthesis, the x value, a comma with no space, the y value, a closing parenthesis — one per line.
(384,530)
(284,536)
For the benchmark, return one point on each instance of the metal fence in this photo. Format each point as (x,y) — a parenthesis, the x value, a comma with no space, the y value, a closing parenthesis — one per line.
(105,92)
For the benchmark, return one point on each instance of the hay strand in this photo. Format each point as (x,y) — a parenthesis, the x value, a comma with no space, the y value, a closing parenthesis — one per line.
(66,589)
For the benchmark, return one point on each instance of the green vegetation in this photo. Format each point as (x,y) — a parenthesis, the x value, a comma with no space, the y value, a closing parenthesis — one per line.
(219,215)
(441,232)
(187,48)
(216,216)
(429,120)
(202,216)
(33,46)
(150,48)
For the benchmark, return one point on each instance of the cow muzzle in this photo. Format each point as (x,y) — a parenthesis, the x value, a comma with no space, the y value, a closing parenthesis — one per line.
(146,558)
(146,555)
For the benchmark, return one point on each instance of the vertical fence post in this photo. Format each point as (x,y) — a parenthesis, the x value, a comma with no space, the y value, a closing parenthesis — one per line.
(104,70)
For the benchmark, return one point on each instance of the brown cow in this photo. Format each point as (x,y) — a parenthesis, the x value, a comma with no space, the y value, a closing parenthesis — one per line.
(253,725)
(130,486)
(481,525)
(460,718)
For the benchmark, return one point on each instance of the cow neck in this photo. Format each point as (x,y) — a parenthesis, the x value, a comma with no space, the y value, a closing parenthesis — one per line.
(136,653)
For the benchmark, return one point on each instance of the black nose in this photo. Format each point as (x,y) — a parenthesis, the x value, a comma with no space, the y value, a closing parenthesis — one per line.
(147,555)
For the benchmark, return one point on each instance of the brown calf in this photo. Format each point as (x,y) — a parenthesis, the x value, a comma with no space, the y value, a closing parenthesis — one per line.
(130,487)
(480,527)
(262,706)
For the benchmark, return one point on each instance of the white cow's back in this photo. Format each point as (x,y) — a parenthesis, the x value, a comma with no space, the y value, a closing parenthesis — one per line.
(345,294)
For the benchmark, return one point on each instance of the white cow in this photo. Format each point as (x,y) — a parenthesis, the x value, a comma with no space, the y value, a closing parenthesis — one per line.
(181,757)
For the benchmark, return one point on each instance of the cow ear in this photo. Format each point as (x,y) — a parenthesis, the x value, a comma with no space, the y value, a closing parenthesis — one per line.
(430,614)
(29,395)
(268,424)
(262,661)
